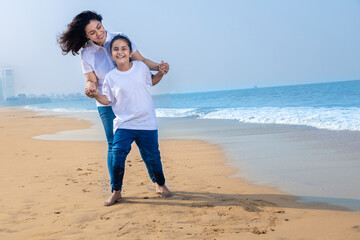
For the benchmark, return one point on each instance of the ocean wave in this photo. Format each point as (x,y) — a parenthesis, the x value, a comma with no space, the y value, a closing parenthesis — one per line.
(322,118)
(57,110)
(176,112)
(334,118)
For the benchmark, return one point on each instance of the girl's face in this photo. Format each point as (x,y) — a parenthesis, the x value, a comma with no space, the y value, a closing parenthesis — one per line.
(120,52)
(95,31)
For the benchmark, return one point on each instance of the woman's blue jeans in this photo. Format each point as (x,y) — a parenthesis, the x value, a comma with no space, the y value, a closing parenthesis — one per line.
(147,141)
(107,117)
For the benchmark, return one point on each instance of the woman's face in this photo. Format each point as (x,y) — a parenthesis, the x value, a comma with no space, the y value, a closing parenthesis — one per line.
(95,31)
(120,52)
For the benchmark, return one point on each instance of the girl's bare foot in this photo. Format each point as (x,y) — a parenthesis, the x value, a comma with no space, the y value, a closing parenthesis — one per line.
(157,188)
(115,197)
(163,190)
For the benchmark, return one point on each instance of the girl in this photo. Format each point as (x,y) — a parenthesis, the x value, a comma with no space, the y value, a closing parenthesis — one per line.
(127,88)
(86,33)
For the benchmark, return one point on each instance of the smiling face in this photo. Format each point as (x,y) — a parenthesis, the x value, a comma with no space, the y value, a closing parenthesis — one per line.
(120,52)
(95,31)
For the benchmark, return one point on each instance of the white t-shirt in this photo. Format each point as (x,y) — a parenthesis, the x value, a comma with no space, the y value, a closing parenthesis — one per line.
(130,97)
(95,58)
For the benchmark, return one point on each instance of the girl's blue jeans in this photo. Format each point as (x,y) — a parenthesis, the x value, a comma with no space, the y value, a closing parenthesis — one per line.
(107,117)
(147,142)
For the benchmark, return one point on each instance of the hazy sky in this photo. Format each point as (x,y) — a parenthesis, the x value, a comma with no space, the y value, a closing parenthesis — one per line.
(209,44)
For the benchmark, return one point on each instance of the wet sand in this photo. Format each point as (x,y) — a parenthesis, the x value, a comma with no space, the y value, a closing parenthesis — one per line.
(55,190)
(313,164)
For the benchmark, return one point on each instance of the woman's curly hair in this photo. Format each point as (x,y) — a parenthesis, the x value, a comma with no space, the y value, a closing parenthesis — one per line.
(74,38)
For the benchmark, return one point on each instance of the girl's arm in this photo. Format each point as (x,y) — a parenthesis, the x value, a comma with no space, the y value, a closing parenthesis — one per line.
(100,98)
(157,77)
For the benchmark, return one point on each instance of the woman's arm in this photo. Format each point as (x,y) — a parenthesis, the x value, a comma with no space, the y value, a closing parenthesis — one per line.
(153,66)
(91,84)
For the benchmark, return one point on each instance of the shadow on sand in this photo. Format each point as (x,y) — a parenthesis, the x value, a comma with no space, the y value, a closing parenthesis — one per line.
(249,202)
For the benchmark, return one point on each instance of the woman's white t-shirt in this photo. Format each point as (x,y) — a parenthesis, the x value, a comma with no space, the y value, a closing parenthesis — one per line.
(130,97)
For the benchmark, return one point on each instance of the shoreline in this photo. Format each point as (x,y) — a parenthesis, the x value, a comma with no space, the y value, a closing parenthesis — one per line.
(58,178)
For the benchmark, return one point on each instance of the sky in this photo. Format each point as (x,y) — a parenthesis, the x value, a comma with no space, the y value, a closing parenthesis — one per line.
(210,44)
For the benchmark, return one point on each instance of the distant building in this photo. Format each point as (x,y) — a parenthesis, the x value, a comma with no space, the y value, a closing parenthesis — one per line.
(8,90)
(1,89)
(22,98)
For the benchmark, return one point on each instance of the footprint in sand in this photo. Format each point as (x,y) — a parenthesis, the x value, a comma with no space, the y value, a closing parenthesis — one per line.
(264,203)
(24,153)
(85,174)
(104,217)
(258,231)
(356,228)
(77,206)
(251,209)
(142,184)
(83,226)
(73,180)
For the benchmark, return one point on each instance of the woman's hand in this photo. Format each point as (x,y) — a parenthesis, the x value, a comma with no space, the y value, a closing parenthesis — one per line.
(91,84)
(164,67)
(90,88)
(93,93)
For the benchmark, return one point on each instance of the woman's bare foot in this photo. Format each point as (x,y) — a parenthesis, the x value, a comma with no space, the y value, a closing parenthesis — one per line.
(163,190)
(115,197)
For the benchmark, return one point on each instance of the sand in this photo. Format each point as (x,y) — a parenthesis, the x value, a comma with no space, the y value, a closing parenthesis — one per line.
(56,189)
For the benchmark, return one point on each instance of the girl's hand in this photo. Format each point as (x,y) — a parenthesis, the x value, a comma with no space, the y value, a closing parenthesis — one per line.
(164,67)
(93,93)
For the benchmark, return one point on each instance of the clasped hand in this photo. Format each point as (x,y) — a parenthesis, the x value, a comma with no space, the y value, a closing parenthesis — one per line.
(164,67)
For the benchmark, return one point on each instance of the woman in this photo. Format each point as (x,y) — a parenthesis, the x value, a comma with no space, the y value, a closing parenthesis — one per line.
(86,33)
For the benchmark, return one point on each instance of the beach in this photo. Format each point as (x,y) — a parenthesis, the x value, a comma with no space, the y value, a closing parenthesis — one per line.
(56,189)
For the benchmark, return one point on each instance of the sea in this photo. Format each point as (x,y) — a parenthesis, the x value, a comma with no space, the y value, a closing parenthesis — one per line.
(332,106)
(301,139)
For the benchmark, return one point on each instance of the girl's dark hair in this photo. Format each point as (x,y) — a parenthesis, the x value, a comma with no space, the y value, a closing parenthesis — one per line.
(117,37)
(74,38)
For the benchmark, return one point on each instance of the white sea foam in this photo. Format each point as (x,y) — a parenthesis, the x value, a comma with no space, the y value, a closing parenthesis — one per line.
(176,112)
(322,118)
(57,110)
(335,118)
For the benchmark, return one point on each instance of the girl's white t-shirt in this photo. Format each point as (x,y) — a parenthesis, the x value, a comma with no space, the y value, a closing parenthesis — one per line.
(130,98)
(97,59)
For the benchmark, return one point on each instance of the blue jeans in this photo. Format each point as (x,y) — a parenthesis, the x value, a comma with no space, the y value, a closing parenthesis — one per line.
(107,117)
(147,141)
